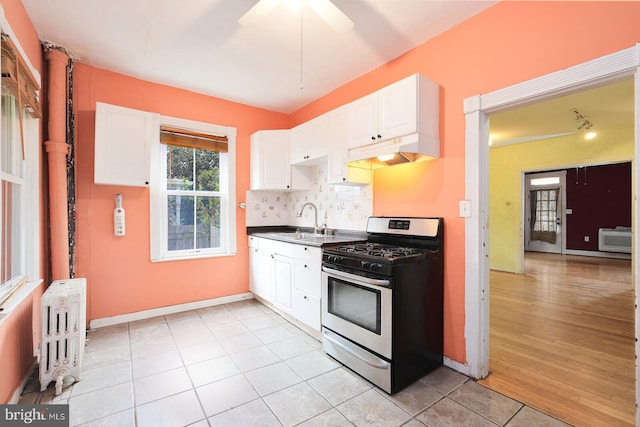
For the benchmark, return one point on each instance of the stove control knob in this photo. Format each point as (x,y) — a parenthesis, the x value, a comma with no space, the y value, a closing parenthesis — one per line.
(374,266)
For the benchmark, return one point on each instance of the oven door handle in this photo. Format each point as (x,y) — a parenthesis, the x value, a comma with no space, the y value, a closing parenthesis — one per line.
(379,363)
(349,276)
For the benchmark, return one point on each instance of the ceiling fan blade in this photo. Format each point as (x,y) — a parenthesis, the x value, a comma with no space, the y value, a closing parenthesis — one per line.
(332,15)
(257,12)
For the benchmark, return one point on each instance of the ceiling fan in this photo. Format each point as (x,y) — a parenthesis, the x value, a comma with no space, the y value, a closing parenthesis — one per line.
(328,11)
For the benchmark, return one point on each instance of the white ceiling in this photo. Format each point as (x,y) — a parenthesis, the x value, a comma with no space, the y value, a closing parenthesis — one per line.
(198,44)
(606,107)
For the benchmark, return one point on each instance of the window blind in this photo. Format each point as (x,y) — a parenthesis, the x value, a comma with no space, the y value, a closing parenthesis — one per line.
(18,79)
(185,138)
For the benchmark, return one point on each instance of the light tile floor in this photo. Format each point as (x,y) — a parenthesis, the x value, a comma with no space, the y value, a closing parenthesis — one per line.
(241,364)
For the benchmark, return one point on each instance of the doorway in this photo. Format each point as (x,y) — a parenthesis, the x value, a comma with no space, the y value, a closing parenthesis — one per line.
(607,69)
(545,212)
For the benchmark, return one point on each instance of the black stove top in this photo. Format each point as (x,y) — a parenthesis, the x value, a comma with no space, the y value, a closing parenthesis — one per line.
(388,253)
(391,242)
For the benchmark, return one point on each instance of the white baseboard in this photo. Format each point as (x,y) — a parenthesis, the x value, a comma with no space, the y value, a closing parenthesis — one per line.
(161,311)
(457,366)
(598,254)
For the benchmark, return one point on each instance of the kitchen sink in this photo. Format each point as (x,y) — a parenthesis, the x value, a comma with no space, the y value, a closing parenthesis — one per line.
(304,236)
(310,238)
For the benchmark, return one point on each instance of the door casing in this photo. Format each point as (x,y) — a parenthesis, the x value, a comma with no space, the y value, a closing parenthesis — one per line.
(606,69)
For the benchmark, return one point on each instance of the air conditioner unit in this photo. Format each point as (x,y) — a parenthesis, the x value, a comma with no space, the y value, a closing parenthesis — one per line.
(64,313)
(615,240)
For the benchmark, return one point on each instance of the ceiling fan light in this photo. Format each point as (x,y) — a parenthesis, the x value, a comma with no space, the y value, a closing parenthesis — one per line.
(589,135)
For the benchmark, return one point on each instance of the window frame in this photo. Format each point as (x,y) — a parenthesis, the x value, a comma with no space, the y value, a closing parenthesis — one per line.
(30,227)
(158,193)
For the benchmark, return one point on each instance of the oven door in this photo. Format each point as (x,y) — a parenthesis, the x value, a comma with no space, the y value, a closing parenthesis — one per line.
(358,308)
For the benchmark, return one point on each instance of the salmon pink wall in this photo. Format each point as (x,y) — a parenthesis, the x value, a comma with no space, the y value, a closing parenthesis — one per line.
(506,44)
(120,276)
(19,331)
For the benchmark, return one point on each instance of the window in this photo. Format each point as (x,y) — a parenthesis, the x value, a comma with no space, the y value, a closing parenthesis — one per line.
(193,191)
(11,189)
(544,214)
(19,162)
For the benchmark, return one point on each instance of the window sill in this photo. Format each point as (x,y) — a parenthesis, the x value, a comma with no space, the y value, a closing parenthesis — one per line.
(193,256)
(16,299)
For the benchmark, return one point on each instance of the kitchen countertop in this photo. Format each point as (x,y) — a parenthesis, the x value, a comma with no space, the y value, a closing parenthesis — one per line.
(304,236)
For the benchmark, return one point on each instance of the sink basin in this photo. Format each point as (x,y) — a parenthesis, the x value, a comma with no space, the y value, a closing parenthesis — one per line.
(302,235)
(309,238)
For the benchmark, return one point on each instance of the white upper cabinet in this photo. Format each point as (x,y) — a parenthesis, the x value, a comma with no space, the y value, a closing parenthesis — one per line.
(309,142)
(123,138)
(406,111)
(398,108)
(363,121)
(338,172)
(270,163)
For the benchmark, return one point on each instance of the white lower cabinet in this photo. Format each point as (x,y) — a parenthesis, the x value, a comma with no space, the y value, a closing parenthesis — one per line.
(260,268)
(288,276)
(306,309)
(283,282)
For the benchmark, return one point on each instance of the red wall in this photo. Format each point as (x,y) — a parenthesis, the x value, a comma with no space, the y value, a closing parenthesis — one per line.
(600,197)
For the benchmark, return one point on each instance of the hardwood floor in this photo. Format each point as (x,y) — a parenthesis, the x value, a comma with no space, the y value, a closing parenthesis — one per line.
(562,338)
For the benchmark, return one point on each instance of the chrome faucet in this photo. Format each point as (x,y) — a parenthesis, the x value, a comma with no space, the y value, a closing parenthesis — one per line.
(316,228)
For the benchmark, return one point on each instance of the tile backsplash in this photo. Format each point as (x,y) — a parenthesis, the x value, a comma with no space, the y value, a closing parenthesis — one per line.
(346,207)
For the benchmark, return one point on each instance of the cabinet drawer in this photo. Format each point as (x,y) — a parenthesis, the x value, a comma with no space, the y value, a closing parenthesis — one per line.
(307,309)
(308,276)
(308,253)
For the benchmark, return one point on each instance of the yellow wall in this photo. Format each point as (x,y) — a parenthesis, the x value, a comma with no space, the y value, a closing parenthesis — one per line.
(507,165)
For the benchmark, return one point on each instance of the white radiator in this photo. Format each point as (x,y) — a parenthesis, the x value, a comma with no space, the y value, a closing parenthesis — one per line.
(64,313)
(615,239)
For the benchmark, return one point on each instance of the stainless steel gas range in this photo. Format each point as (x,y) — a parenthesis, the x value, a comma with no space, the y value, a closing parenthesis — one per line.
(382,301)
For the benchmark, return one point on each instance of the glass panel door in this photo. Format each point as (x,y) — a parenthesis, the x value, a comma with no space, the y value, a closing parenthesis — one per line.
(357,304)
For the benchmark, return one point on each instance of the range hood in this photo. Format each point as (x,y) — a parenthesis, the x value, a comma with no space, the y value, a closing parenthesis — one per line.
(410,148)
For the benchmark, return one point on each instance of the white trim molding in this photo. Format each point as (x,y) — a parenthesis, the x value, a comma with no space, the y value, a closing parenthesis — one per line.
(607,69)
(163,311)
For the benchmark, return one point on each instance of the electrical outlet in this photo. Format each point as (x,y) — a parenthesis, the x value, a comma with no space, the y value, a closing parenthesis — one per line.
(586,238)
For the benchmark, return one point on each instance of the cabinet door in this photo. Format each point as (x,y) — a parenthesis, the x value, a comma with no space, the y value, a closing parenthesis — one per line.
(270,166)
(337,137)
(398,108)
(363,121)
(309,142)
(283,282)
(123,138)
(308,276)
(338,172)
(307,309)
(260,273)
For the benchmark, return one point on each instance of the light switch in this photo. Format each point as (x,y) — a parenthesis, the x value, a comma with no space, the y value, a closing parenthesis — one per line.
(569,211)
(465,208)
